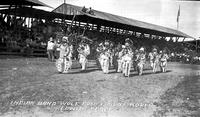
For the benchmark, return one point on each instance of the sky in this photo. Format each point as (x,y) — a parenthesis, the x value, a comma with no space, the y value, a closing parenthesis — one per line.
(159,12)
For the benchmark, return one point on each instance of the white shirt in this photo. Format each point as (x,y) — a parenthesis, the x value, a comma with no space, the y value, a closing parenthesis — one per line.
(64,51)
(50,45)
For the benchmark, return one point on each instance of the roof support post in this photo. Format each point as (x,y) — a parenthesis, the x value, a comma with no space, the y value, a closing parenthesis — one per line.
(87,26)
(134,33)
(75,23)
(115,30)
(196,45)
(98,27)
(171,39)
(109,28)
(92,26)
(150,36)
(183,39)
(157,37)
(123,31)
(177,38)
(164,38)
(79,24)
(8,12)
(142,35)
(104,28)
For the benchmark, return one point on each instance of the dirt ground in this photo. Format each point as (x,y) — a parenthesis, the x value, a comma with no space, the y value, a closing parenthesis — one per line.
(31,87)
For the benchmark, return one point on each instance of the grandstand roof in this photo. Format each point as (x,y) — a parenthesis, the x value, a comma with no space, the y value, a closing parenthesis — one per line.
(34,13)
(111,20)
(23,2)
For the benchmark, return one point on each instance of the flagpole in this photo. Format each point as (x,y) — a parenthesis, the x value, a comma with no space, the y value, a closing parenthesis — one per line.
(178,15)
(178,25)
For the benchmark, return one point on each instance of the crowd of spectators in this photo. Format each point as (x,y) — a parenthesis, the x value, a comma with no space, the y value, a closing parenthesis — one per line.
(189,57)
(178,52)
(15,34)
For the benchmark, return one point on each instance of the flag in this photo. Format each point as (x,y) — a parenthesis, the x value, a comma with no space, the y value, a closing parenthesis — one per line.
(178,14)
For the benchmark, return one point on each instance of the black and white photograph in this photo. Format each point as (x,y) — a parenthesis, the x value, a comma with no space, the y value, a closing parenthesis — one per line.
(100,58)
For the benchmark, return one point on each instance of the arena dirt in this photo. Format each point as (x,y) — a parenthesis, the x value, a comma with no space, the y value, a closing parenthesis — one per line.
(45,93)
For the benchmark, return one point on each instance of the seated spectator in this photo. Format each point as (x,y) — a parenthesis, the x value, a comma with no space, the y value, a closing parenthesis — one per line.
(50,49)
(90,11)
(84,9)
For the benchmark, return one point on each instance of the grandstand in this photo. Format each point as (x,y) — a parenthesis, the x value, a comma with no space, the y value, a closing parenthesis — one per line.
(110,22)
(97,25)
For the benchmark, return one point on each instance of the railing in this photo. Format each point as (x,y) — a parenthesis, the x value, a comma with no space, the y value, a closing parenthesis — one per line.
(22,51)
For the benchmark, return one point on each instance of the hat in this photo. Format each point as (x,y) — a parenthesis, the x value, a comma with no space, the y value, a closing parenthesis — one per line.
(51,39)
(65,39)
(127,40)
(106,42)
(101,44)
(141,49)
(154,49)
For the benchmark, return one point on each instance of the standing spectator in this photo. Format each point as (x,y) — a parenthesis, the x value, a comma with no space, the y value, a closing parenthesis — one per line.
(84,9)
(50,49)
